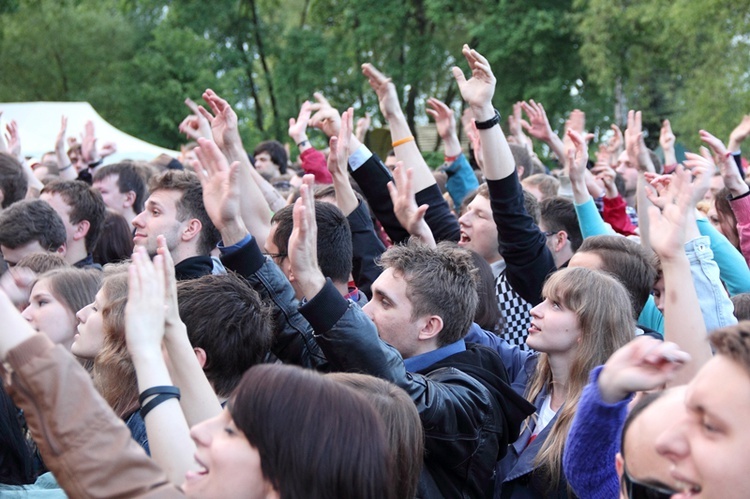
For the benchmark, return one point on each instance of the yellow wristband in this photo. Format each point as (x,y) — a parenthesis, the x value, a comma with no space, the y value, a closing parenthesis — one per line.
(403,141)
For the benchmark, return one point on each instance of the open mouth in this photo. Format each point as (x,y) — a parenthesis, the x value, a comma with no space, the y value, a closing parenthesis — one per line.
(464,238)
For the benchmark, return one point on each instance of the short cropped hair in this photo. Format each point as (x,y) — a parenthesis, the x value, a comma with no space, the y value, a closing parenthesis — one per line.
(559,213)
(733,342)
(32,220)
(334,239)
(85,204)
(128,179)
(547,184)
(190,204)
(741,304)
(225,317)
(439,281)
(42,262)
(277,152)
(13,181)
(630,263)
(530,204)
(522,158)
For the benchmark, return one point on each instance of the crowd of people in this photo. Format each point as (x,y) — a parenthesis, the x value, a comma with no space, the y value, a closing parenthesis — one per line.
(233,324)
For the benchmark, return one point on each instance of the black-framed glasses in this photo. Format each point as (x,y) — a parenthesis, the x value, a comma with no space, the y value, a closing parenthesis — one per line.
(640,490)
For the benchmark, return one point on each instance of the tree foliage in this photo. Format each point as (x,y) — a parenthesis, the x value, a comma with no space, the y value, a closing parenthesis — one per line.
(136,60)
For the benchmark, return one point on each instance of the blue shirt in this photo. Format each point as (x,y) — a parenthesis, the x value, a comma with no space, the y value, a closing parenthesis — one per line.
(425,360)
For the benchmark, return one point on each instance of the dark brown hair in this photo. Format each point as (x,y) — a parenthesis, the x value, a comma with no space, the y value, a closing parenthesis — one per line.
(85,204)
(227,319)
(116,243)
(439,281)
(733,342)
(13,183)
(32,220)
(129,178)
(316,438)
(190,204)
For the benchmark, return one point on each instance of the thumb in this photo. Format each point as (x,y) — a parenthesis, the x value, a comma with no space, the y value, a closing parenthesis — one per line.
(459,76)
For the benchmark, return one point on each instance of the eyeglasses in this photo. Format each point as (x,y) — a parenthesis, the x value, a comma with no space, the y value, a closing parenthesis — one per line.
(640,490)
(276,257)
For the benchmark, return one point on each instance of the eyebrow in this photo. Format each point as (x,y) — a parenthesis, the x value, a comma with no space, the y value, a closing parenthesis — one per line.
(152,203)
(385,295)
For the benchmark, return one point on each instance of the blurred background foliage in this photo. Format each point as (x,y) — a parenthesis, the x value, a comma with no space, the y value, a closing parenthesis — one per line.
(136,60)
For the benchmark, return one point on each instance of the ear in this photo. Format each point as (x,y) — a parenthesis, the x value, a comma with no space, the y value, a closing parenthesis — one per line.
(619,465)
(62,250)
(82,228)
(129,199)
(200,354)
(520,169)
(192,230)
(431,328)
(561,239)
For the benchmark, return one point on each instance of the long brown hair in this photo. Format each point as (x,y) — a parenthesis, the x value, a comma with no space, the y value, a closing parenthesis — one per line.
(603,309)
(114,373)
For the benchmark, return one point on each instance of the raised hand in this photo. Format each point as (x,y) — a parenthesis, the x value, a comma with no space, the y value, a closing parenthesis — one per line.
(13,139)
(739,134)
(445,121)
(172,319)
(667,141)
(145,311)
(385,90)
(88,144)
(223,121)
(478,90)
(669,216)
(337,161)
(298,128)
(409,215)
(303,242)
(221,191)
(603,172)
(108,149)
(615,144)
(643,364)
(578,157)
(326,117)
(538,125)
(16,282)
(363,124)
(195,125)
(703,168)
(635,146)
(724,160)
(60,139)
(476,143)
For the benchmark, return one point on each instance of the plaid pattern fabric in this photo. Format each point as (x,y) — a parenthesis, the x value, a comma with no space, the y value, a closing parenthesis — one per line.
(515,311)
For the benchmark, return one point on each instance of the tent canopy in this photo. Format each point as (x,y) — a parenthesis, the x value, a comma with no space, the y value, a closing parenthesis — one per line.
(39,124)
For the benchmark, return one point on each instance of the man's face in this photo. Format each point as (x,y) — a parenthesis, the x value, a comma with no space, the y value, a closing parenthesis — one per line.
(13,255)
(709,445)
(280,259)
(110,191)
(586,260)
(644,464)
(63,209)
(478,230)
(628,172)
(265,166)
(159,217)
(391,311)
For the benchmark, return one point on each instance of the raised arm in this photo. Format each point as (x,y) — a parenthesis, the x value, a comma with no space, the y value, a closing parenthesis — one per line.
(666,141)
(255,211)
(67,170)
(312,160)
(168,431)
(409,215)
(671,227)
(403,140)
(539,127)
(13,148)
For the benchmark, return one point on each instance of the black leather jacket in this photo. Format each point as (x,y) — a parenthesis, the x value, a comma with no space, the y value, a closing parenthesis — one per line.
(468,419)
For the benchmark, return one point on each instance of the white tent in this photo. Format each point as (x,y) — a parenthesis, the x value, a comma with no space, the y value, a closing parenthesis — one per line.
(39,124)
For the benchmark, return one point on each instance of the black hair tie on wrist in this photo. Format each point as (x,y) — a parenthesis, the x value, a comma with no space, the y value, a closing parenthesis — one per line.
(157,390)
(156,401)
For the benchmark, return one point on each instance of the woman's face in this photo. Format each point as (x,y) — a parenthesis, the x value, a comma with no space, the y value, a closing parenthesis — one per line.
(90,338)
(227,465)
(48,315)
(554,328)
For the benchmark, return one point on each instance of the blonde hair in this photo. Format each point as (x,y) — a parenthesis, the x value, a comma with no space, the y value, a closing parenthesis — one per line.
(605,319)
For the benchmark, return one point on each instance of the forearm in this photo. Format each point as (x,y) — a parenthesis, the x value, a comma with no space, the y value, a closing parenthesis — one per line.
(451,145)
(498,160)
(198,399)
(314,162)
(461,179)
(616,216)
(345,198)
(732,266)
(82,441)
(683,320)
(716,307)
(408,152)
(642,203)
(168,432)
(590,221)
(253,205)
(741,209)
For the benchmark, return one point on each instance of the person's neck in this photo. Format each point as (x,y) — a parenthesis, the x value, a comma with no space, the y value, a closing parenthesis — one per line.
(75,252)
(562,256)
(182,253)
(341,287)
(560,367)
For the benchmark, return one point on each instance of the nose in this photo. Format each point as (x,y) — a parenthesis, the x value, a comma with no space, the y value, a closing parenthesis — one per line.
(28,313)
(81,315)
(367,309)
(138,220)
(672,443)
(536,311)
